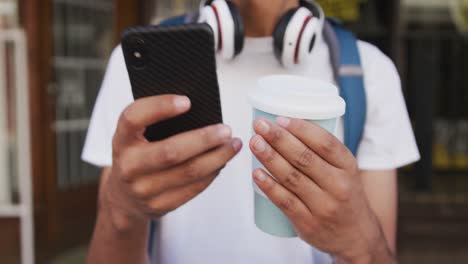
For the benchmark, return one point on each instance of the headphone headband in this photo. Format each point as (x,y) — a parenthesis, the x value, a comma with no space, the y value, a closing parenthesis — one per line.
(310,4)
(316,9)
(293,37)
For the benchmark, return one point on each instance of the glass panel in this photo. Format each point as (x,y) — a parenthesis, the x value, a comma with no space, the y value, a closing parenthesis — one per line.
(83,33)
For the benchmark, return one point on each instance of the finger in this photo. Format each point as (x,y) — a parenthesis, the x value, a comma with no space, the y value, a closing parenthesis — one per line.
(290,204)
(296,153)
(286,174)
(192,171)
(146,111)
(320,141)
(160,155)
(172,199)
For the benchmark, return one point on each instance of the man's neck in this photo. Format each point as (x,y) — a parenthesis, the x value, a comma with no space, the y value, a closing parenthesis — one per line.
(260,16)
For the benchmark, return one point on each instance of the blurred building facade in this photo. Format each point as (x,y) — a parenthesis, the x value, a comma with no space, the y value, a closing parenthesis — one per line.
(69,42)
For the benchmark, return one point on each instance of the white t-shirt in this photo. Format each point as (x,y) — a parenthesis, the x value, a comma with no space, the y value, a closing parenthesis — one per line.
(218,226)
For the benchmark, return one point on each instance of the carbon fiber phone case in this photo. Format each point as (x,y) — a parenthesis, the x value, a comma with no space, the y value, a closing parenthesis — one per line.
(174,60)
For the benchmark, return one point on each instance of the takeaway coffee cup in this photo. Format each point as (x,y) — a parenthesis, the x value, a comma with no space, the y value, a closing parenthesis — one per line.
(294,97)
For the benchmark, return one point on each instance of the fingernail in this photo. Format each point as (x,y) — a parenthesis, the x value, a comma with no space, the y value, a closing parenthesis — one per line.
(181,102)
(224,132)
(262,126)
(283,121)
(237,144)
(259,144)
(259,176)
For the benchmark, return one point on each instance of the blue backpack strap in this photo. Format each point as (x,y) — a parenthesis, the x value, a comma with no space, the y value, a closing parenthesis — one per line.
(152,232)
(348,72)
(179,20)
(173,21)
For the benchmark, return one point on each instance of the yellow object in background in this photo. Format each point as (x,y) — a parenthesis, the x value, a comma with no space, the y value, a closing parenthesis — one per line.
(460,161)
(345,10)
(178,7)
(441,157)
(459,9)
(460,152)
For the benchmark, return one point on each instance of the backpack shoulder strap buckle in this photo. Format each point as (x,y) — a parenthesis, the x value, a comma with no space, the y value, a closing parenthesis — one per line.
(350,70)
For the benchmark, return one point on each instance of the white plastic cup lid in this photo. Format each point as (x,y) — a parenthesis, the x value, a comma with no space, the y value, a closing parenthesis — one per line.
(297,97)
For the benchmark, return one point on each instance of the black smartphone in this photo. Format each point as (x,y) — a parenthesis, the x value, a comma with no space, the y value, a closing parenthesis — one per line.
(174,60)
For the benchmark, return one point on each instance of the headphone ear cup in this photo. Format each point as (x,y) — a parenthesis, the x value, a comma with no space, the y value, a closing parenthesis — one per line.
(226,28)
(208,16)
(309,37)
(238,28)
(279,32)
(292,37)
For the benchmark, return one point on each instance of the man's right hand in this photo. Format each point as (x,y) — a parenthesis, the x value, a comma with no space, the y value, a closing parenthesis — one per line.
(150,179)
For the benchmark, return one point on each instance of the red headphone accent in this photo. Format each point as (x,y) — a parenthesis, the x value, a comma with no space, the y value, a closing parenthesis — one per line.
(220,31)
(296,49)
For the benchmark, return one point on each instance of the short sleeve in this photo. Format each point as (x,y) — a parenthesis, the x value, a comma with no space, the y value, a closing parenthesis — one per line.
(114,95)
(388,140)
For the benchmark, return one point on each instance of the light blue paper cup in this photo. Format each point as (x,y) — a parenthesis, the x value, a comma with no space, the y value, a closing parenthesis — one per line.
(294,97)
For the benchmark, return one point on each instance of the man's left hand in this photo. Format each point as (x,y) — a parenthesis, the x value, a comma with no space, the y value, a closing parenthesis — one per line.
(316,184)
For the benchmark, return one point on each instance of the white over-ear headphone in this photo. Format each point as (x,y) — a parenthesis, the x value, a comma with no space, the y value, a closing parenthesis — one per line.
(294,36)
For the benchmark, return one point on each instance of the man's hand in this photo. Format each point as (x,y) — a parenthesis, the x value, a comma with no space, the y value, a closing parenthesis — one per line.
(150,179)
(318,188)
